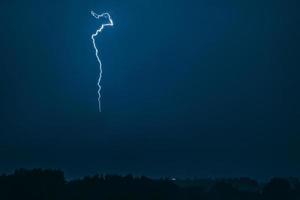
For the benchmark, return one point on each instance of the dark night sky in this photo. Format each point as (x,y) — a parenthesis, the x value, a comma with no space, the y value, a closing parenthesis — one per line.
(190,88)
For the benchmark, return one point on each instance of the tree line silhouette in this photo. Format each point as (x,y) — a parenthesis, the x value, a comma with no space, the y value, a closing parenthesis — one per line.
(39,184)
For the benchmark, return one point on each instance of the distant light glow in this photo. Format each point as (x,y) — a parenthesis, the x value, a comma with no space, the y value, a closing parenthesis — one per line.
(109,23)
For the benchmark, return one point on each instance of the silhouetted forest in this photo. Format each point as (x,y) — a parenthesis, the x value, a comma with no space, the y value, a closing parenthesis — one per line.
(41,184)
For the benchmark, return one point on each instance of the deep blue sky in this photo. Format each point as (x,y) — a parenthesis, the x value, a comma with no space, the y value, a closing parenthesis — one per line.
(190,88)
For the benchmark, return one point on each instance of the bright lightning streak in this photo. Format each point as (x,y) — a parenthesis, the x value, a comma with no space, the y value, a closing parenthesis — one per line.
(110,22)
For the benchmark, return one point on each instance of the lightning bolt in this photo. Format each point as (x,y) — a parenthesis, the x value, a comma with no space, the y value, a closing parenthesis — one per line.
(109,23)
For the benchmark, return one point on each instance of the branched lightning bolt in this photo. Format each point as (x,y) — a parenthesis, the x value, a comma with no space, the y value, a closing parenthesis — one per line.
(109,23)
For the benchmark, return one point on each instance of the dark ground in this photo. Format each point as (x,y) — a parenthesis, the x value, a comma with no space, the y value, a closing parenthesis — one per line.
(51,184)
